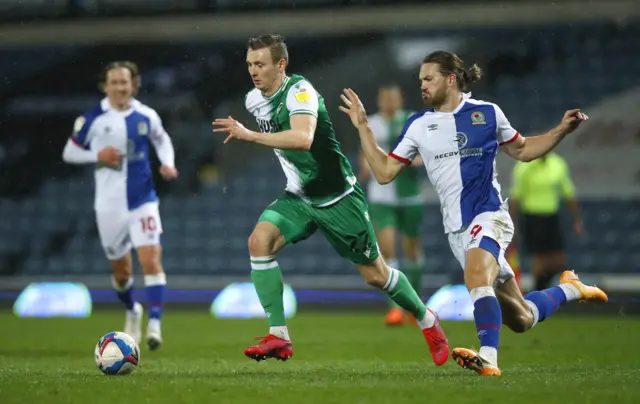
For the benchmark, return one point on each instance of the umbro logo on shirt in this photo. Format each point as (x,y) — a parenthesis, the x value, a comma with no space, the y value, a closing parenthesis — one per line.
(433,126)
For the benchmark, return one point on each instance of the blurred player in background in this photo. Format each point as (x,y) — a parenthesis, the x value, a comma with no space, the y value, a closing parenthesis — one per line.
(322,194)
(537,190)
(115,137)
(395,208)
(458,139)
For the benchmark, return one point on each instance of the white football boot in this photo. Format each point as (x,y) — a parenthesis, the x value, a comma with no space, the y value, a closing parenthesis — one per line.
(133,322)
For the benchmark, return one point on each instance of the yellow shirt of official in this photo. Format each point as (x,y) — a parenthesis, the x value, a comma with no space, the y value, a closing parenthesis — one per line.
(540,185)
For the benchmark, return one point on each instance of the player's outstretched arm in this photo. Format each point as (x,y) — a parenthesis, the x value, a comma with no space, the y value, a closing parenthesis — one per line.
(531,148)
(299,137)
(384,167)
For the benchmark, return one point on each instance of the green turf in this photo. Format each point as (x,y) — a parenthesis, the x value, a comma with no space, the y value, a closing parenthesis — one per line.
(339,358)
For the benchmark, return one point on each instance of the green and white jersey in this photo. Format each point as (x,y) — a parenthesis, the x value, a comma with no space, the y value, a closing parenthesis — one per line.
(320,176)
(406,188)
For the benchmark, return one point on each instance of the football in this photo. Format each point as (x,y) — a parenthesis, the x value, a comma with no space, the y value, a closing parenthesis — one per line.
(117,353)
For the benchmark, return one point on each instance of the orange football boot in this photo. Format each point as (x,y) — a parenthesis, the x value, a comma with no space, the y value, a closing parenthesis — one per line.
(587,293)
(395,316)
(470,359)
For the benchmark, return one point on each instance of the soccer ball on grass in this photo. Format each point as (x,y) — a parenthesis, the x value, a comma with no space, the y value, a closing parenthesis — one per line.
(117,354)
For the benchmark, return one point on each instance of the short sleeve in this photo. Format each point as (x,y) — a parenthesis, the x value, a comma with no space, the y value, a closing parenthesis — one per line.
(82,131)
(406,147)
(302,98)
(504,132)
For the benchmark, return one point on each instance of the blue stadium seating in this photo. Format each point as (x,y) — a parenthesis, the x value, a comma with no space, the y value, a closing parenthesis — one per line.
(206,233)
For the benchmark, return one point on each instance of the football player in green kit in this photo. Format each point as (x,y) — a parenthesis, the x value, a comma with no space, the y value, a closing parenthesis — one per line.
(322,194)
(396,208)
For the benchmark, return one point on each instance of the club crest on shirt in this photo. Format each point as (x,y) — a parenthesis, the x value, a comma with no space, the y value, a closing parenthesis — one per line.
(477,118)
(143,129)
(78,124)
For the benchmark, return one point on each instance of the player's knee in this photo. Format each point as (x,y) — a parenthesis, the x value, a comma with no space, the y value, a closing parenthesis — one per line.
(475,275)
(481,268)
(121,269)
(150,261)
(121,278)
(260,243)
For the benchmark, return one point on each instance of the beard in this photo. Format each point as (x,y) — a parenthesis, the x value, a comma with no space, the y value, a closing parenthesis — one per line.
(438,98)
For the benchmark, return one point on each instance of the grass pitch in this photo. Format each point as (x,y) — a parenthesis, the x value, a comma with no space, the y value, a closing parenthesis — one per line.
(339,358)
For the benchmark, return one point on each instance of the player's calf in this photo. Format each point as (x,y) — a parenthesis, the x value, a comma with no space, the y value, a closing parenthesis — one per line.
(480,272)
(401,292)
(265,241)
(155,282)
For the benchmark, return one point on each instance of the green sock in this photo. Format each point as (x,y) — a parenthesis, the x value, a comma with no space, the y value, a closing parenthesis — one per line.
(414,274)
(267,279)
(393,263)
(400,291)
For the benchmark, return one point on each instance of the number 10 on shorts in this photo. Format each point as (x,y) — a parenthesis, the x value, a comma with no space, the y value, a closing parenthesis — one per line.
(148,224)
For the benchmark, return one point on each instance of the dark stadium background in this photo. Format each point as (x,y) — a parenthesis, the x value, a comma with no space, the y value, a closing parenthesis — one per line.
(539,58)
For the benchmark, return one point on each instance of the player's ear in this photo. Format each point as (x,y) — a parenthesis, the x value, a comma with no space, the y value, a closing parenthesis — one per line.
(452,79)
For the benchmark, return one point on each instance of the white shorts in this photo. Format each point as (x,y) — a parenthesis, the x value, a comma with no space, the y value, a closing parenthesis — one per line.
(120,230)
(491,231)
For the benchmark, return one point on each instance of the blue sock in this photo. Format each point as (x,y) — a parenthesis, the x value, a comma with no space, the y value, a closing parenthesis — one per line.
(488,317)
(156,286)
(124,292)
(547,301)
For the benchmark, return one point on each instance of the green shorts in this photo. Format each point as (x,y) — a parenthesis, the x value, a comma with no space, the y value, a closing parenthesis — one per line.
(407,219)
(345,224)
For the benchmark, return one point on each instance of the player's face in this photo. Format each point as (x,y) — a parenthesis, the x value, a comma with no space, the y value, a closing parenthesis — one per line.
(389,100)
(434,85)
(119,86)
(263,71)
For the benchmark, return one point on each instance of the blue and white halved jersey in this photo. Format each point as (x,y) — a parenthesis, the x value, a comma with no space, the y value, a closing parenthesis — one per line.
(459,150)
(130,185)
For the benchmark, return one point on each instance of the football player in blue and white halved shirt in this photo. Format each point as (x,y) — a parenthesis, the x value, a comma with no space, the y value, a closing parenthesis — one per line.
(458,139)
(115,137)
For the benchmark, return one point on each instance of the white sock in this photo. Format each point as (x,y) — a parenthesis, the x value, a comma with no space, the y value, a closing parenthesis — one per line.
(280,331)
(571,292)
(490,354)
(427,321)
(535,311)
(153,324)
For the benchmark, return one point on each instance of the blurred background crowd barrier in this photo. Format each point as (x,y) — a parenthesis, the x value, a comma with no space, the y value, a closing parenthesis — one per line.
(540,59)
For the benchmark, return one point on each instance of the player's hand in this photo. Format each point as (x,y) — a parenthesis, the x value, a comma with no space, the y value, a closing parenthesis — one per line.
(234,128)
(572,119)
(168,173)
(110,156)
(353,107)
